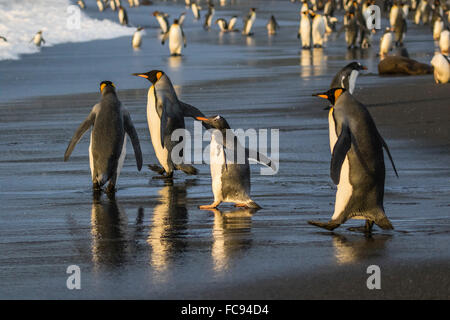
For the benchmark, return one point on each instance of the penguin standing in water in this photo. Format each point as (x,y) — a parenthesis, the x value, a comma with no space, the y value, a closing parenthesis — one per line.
(272,26)
(123,17)
(318,29)
(165,114)
(208,17)
(346,78)
(357,163)
(110,123)
(230,176)
(137,38)
(248,22)
(161,17)
(177,39)
(38,39)
(304,31)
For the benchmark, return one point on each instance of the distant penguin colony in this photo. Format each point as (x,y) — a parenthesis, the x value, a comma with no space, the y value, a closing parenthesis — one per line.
(357,148)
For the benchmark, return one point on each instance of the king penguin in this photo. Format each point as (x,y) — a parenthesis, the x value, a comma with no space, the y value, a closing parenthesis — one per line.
(318,29)
(248,22)
(304,31)
(357,162)
(38,39)
(441,68)
(165,114)
(123,17)
(229,173)
(110,123)
(208,17)
(177,39)
(346,78)
(272,26)
(137,38)
(161,17)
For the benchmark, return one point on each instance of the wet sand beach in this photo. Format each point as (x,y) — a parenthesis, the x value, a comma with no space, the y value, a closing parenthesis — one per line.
(152,241)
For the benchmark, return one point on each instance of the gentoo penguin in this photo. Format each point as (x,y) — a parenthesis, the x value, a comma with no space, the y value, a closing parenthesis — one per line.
(81,4)
(357,162)
(100,5)
(272,26)
(123,17)
(351,29)
(208,17)
(441,65)
(38,39)
(176,38)
(386,43)
(161,17)
(248,22)
(110,123)
(318,29)
(346,78)
(230,176)
(137,38)
(165,114)
(444,42)
(195,11)
(304,31)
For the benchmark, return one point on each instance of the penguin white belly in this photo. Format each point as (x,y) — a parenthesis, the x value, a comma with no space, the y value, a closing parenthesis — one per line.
(352,81)
(305,32)
(91,158)
(175,40)
(441,69)
(217,161)
(154,126)
(393,15)
(444,42)
(318,30)
(386,43)
(162,23)
(121,17)
(137,39)
(437,29)
(122,157)
(344,188)
(249,25)
(37,39)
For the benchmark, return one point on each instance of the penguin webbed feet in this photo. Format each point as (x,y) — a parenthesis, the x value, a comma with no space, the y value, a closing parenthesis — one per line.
(367,228)
(330,225)
(156,168)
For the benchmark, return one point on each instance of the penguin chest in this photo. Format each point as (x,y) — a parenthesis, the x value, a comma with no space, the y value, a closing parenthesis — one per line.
(217,163)
(154,126)
(137,39)
(175,39)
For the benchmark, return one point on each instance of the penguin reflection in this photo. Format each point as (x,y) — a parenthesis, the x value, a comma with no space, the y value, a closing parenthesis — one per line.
(231,235)
(350,250)
(312,63)
(109,233)
(167,228)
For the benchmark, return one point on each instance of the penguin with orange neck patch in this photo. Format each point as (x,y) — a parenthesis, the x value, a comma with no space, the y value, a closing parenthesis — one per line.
(357,163)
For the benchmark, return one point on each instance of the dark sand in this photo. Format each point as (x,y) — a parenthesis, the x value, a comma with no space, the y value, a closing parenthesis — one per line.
(153,242)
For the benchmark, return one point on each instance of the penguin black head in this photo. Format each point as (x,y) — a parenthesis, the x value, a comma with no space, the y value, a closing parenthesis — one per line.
(175,21)
(152,76)
(331,95)
(106,87)
(355,66)
(216,122)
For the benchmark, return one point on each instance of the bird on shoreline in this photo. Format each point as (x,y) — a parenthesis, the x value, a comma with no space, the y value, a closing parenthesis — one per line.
(38,39)
(248,22)
(110,123)
(136,41)
(161,17)
(272,26)
(177,39)
(346,77)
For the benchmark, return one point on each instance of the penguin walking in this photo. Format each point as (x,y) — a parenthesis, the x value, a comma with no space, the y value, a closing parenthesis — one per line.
(165,114)
(195,11)
(176,37)
(248,22)
(304,31)
(346,77)
(208,17)
(161,17)
(38,39)
(110,123)
(444,42)
(386,43)
(123,17)
(318,29)
(272,26)
(137,38)
(441,66)
(230,178)
(100,5)
(357,163)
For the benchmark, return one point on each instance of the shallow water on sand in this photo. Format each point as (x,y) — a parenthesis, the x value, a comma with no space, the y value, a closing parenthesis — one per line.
(152,241)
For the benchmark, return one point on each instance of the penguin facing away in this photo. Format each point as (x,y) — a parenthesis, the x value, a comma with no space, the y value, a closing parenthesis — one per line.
(357,163)
(110,123)
(177,39)
(346,77)
(230,176)
(165,114)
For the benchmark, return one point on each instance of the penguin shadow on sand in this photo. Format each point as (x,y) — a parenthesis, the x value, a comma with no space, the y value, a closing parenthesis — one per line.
(111,245)
(175,62)
(231,236)
(166,237)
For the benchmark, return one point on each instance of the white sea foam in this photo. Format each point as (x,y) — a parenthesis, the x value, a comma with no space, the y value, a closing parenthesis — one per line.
(21,19)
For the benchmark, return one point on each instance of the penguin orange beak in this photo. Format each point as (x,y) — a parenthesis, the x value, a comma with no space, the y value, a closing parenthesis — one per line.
(364,68)
(140,75)
(201,118)
(320,95)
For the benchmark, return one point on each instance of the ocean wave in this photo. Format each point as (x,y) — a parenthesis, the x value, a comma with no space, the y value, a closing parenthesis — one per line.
(21,19)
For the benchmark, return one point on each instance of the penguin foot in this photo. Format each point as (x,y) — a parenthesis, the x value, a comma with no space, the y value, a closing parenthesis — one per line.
(186,168)
(156,168)
(96,187)
(111,189)
(210,206)
(250,205)
(330,225)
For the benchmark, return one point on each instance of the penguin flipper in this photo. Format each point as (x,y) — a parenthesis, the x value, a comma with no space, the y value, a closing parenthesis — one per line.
(385,146)
(131,131)
(193,112)
(339,152)
(79,134)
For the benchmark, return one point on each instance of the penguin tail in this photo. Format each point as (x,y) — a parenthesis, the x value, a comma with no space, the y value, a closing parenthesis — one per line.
(186,168)
(330,225)
(381,220)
